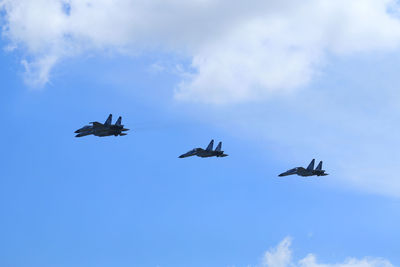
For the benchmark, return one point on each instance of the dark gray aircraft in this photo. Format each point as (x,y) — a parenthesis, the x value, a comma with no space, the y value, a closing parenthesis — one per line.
(100,129)
(206,153)
(306,172)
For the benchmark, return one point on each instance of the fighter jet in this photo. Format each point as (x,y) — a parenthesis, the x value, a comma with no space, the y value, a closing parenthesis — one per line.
(100,129)
(306,172)
(206,153)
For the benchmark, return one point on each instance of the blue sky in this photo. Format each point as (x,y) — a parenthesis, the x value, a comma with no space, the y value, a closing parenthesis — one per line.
(129,201)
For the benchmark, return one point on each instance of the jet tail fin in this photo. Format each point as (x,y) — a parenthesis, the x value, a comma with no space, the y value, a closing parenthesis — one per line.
(311,165)
(210,145)
(319,167)
(108,121)
(118,123)
(219,146)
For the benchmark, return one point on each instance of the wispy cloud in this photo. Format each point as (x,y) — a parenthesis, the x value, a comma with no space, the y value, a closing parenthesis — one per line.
(349,120)
(281,256)
(239,51)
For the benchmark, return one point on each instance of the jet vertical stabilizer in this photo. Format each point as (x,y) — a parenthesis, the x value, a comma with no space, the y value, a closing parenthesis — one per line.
(118,122)
(219,146)
(311,165)
(108,121)
(210,146)
(319,167)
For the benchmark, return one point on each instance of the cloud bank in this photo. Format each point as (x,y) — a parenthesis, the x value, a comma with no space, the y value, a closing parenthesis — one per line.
(239,51)
(281,256)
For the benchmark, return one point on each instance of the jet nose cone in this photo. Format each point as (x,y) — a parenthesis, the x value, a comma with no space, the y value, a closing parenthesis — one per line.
(281,175)
(77,131)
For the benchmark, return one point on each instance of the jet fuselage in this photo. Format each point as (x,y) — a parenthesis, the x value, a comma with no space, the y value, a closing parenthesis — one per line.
(101,132)
(299,171)
(203,153)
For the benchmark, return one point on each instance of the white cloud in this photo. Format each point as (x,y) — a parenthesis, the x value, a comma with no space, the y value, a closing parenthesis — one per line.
(239,50)
(281,256)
